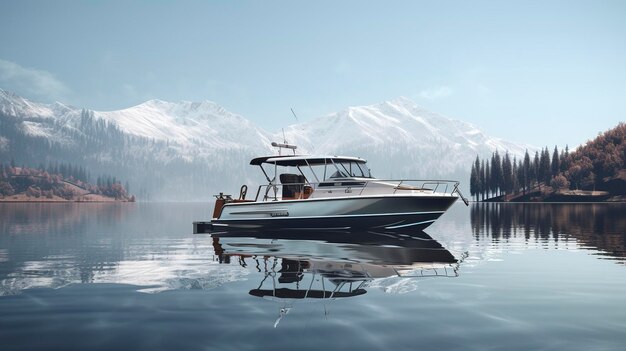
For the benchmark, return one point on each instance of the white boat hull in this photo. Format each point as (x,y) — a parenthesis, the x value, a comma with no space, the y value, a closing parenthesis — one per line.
(385,211)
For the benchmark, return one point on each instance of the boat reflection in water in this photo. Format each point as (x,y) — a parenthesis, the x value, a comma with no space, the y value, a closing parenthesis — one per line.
(322,266)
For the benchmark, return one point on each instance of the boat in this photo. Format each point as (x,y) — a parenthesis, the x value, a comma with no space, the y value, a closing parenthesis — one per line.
(330,192)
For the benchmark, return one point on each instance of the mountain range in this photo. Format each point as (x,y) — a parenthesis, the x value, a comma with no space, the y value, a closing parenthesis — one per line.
(190,150)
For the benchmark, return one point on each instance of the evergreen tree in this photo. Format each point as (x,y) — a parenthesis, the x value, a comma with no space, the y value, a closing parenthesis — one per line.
(541,170)
(535,169)
(544,173)
(520,177)
(526,169)
(556,163)
(492,175)
(507,174)
(487,186)
(474,178)
(565,160)
(496,179)
(514,176)
(483,183)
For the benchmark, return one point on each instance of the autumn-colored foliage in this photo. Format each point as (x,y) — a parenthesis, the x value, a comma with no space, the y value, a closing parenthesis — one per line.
(40,183)
(599,159)
(588,167)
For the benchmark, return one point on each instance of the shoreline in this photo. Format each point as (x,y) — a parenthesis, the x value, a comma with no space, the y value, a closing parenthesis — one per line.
(2,201)
(57,199)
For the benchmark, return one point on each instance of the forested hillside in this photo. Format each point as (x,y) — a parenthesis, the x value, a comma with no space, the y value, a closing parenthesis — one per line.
(598,165)
(64,182)
(150,166)
(599,161)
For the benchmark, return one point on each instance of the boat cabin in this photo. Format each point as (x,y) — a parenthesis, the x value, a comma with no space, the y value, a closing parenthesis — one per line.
(299,175)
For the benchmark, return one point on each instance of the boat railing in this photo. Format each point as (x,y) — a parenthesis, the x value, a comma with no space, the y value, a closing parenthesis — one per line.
(434,186)
(274,192)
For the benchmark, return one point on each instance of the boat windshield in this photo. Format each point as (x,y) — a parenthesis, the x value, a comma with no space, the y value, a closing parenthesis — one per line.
(350,169)
(330,170)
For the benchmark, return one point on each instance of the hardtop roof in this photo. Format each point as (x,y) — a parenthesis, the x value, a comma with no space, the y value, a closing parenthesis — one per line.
(303,160)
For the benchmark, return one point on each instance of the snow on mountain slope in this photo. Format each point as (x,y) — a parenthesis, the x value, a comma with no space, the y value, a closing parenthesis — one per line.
(399,138)
(398,125)
(190,128)
(19,107)
(401,134)
(392,122)
(204,124)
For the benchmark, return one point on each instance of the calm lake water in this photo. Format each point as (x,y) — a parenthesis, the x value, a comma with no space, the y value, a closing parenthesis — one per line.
(488,276)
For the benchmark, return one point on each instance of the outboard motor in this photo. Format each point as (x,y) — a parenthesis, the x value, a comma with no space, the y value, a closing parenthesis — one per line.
(220,201)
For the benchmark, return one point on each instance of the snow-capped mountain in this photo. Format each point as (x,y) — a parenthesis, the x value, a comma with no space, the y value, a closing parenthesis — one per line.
(13,105)
(195,148)
(392,121)
(191,128)
(401,137)
(194,126)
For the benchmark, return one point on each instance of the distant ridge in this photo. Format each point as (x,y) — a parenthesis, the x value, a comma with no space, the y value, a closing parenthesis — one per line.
(422,142)
(188,150)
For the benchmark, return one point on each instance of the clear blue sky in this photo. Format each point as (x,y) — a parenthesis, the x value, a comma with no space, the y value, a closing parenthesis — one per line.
(542,72)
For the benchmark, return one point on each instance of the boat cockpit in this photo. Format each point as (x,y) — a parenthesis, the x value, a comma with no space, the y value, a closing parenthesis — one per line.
(299,175)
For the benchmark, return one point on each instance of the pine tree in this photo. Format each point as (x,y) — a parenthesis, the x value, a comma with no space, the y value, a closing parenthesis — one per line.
(535,169)
(520,177)
(526,172)
(487,182)
(507,174)
(565,161)
(544,171)
(514,176)
(474,178)
(483,184)
(491,178)
(556,163)
(496,174)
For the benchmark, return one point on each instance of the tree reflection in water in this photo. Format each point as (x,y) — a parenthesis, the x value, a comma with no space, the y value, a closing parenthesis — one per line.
(600,226)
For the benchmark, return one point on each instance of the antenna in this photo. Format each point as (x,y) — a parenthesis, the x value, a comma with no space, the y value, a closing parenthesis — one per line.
(298,121)
(295,116)
(285,144)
